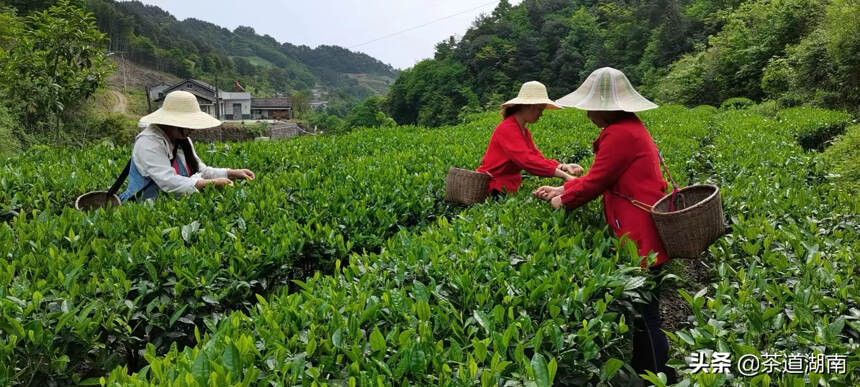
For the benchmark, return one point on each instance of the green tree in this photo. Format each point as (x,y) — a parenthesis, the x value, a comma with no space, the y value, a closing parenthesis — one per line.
(432,93)
(843,47)
(56,65)
(27,6)
(368,114)
(325,122)
(754,36)
(301,102)
(9,144)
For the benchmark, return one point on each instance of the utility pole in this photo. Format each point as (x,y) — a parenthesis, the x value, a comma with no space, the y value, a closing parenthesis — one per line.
(124,70)
(217,97)
(148,102)
(123,67)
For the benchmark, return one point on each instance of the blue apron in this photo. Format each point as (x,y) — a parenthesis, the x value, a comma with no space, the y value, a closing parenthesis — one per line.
(141,187)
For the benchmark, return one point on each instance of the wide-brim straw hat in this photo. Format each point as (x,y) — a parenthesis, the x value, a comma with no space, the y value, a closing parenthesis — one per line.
(606,89)
(180,109)
(532,93)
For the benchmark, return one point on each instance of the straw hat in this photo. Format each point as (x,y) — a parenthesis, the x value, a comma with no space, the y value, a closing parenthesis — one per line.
(532,93)
(181,109)
(606,89)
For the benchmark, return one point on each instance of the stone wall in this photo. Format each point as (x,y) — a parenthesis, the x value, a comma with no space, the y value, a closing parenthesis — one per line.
(221,134)
(286,130)
(278,130)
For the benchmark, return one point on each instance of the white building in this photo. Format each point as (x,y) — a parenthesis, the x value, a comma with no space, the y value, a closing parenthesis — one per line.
(234,105)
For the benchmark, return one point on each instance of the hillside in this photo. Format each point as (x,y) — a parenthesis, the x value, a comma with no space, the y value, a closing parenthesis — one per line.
(124,92)
(692,52)
(154,38)
(132,75)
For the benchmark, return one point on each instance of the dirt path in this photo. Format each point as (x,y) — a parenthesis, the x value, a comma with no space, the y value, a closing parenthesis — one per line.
(120,102)
(674,310)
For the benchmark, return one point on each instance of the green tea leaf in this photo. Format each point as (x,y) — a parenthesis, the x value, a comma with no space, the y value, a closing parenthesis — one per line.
(483,320)
(232,359)
(200,369)
(377,341)
(611,367)
(539,367)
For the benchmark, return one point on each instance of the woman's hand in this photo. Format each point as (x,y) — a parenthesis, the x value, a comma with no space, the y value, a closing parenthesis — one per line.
(548,193)
(563,175)
(571,169)
(240,174)
(556,202)
(220,182)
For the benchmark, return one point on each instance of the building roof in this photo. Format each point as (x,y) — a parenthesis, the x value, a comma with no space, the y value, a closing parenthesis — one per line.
(155,91)
(271,103)
(206,91)
(204,84)
(233,95)
(199,94)
(195,81)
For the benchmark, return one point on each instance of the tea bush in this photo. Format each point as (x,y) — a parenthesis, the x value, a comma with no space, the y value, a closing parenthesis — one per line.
(8,143)
(784,276)
(814,128)
(843,160)
(341,264)
(737,103)
(172,262)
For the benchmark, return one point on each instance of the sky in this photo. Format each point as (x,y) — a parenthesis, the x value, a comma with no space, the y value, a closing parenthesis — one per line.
(397,32)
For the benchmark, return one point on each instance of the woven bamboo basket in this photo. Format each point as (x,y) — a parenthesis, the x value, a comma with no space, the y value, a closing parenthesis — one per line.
(97,199)
(466,187)
(696,222)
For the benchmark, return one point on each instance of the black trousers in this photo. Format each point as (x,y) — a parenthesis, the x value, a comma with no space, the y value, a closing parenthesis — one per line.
(650,347)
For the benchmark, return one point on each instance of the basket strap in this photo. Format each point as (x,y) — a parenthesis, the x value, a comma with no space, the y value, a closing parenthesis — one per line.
(119,180)
(640,205)
(666,169)
(649,208)
(675,188)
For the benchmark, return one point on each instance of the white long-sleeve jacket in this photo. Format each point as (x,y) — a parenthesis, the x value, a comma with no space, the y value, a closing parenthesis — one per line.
(152,153)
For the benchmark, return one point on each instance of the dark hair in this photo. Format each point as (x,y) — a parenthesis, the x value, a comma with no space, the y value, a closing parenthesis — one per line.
(613,116)
(190,156)
(507,111)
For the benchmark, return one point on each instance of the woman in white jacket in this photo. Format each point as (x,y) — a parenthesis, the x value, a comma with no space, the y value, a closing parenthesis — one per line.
(160,157)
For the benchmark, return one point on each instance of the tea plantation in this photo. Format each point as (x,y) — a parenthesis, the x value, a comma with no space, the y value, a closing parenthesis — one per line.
(342,265)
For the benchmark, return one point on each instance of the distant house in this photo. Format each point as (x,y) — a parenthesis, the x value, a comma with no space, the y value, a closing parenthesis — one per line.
(271,109)
(204,92)
(228,105)
(235,106)
(318,105)
(157,91)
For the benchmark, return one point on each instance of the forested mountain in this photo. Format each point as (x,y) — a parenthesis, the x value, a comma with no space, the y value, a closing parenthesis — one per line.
(152,37)
(686,51)
(55,60)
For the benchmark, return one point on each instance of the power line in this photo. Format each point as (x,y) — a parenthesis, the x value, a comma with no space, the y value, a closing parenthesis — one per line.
(423,25)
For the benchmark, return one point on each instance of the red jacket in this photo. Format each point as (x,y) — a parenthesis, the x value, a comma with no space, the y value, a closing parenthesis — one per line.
(626,162)
(510,151)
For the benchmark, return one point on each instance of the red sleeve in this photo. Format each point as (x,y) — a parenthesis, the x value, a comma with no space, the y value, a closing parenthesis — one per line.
(612,159)
(523,155)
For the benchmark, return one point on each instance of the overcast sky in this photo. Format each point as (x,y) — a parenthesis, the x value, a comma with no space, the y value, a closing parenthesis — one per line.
(354,24)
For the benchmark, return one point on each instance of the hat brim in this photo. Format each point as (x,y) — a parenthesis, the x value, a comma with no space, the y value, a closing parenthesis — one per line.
(584,104)
(533,101)
(613,108)
(588,97)
(195,120)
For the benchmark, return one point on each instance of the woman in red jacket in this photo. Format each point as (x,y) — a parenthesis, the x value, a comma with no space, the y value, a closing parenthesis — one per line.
(626,167)
(512,149)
